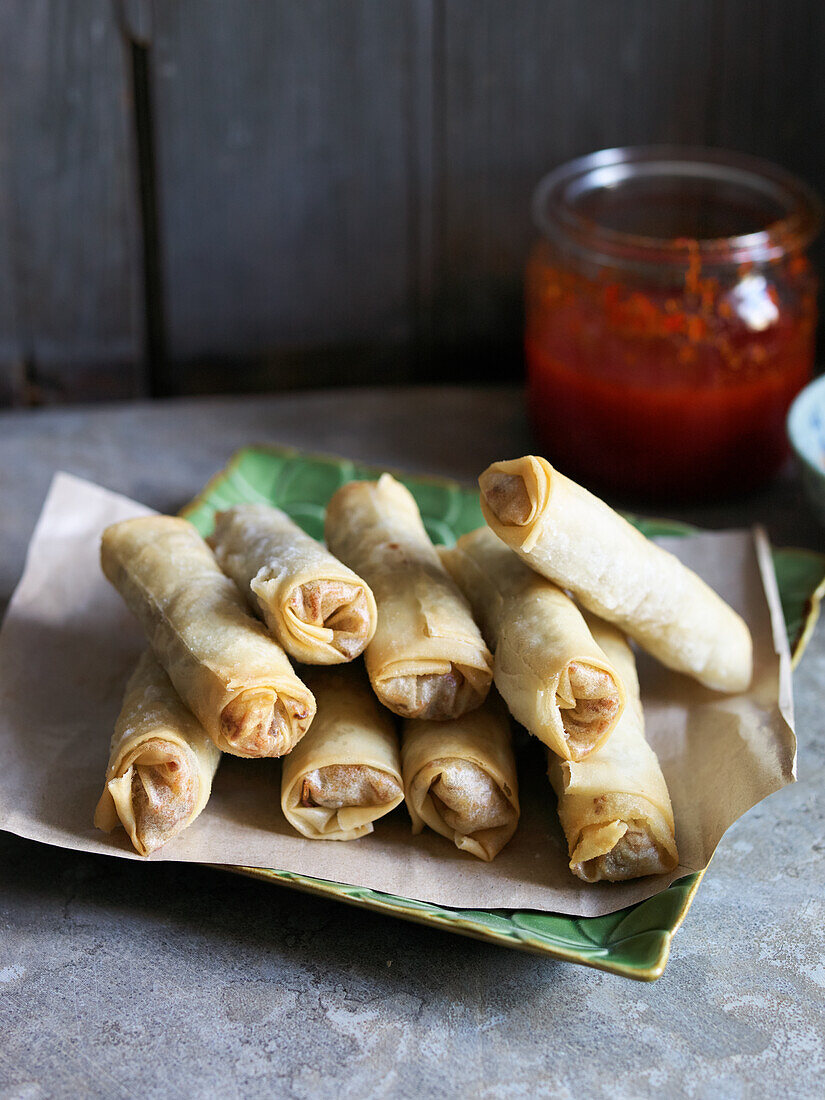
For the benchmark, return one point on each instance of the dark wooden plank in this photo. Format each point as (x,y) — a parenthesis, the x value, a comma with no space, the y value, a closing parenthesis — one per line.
(284,147)
(765,90)
(345,186)
(70,312)
(527,85)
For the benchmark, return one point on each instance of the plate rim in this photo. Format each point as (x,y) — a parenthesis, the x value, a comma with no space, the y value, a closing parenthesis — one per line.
(463,926)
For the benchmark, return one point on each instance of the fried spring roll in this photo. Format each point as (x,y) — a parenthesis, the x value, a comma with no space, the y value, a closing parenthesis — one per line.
(460,779)
(570,536)
(427,659)
(614,806)
(234,678)
(346,773)
(161,763)
(318,610)
(550,672)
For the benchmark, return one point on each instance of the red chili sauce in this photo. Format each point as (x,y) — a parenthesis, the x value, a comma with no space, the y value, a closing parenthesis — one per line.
(659,364)
(667,395)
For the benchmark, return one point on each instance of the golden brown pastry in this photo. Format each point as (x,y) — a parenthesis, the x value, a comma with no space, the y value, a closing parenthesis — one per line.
(315,607)
(234,678)
(460,778)
(427,658)
(550,672)
(571,537)
(346,772)
(161,763)
(614,806)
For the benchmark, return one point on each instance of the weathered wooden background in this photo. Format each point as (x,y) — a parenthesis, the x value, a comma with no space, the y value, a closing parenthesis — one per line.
(201,195)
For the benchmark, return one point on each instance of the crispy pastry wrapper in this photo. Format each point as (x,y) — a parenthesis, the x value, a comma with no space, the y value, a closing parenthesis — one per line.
(720,754)
(614,806)
(346,773)
(460,778)
(161,763)
(576,540)
(318,610)
(234,678)
(550,672)
(427,659)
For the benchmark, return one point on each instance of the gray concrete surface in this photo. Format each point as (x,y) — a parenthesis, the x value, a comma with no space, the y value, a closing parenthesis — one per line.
(163,980)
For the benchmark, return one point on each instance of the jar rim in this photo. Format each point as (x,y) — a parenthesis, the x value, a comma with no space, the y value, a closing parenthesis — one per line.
(556,218)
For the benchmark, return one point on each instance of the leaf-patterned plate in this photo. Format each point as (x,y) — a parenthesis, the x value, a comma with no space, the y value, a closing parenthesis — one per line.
(633,942)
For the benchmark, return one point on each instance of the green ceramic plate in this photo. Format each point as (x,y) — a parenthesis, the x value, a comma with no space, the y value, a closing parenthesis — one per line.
(634,942)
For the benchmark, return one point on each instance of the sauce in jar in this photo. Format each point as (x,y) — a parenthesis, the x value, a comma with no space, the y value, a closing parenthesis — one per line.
(670,319)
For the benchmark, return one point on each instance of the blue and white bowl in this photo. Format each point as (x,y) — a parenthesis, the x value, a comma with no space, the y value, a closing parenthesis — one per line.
(806,431)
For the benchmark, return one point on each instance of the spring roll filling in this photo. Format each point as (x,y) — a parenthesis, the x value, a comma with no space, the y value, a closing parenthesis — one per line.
(431,696)
(633,855)
(259,723)
(335,606)
(337,786)
(508,498)
(468,799)
(588,701)
(164,793)
(587,682)
(591,715)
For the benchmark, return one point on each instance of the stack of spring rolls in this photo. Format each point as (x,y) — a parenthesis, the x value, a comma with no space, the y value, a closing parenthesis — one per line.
(254,649)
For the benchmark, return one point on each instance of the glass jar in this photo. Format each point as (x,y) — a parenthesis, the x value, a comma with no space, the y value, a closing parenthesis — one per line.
(670,318)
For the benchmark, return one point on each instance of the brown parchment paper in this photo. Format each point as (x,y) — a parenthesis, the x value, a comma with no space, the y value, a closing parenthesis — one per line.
(67,646)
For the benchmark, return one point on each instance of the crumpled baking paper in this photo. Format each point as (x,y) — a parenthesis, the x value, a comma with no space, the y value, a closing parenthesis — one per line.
(67,646)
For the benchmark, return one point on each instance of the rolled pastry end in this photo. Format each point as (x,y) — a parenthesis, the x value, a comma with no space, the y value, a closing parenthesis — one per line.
(469,799)
(507,498)
(340,785)
(154,798)
(260,723)
(460,779)
(617,850)
(514,493)
(340,614)
(591,701)
(341,801)
(466,804)
(436,697)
